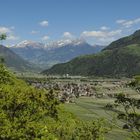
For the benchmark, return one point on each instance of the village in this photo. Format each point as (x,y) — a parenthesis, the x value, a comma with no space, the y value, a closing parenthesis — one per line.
(70,89)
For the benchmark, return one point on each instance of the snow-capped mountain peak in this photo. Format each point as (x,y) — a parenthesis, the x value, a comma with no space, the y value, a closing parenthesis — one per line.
(54,52)
(29,44)
(51,45)
(64,42)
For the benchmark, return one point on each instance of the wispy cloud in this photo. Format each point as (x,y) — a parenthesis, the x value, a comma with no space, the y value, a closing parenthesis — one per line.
(106,40)
(128,23)
(68,35)
(4,29)
(45,38)
(99,33)
(106,35)
(104,28)
(44,23)
(102,36)
(12,38)
(34,32)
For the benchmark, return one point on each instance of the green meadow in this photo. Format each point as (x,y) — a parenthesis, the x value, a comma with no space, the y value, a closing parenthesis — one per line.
(87,108)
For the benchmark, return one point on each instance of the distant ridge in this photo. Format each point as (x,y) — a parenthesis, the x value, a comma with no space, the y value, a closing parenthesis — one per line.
(13,61)
(120,58)
(54,52)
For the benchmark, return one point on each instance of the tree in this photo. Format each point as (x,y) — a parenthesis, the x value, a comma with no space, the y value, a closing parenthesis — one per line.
(3,37)
(130,114)
(2,60)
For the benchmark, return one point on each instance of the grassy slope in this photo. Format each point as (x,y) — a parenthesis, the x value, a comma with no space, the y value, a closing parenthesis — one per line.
(87,109)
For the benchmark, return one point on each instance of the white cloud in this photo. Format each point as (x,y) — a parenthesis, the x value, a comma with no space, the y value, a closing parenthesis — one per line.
(105,35)
(128,23)
(104,28)
(5,30)
(99,34)
(67,35)
(34,32)
(45,38)
(93,34)
(102,36)
(114,33)
(106,40)
(12,37)
(120,21)
(44,23)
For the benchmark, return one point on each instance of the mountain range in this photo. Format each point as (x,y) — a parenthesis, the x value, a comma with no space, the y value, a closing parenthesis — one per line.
(46,55)
(120,58)
(14,61)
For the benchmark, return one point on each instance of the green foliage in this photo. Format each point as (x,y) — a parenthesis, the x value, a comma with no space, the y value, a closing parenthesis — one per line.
(135,83)
(24,111)
(2,60)
(3,36)
(70,128)
(27,113)
(89,131)
(4,75)
(131,114)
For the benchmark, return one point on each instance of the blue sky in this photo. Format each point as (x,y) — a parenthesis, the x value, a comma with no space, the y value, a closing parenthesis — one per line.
(97,21)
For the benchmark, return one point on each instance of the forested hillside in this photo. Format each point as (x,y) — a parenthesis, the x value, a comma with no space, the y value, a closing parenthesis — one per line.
(120,58)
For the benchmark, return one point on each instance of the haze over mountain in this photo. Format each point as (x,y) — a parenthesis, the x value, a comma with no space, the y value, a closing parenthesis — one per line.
(14,61)
(120,58)
(46,55)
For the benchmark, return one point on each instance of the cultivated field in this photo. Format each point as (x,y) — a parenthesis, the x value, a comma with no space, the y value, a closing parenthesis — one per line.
(92,105)
(89,108)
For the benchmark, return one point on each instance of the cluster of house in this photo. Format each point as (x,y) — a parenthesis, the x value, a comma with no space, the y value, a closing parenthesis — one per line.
(69,91)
